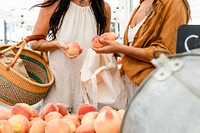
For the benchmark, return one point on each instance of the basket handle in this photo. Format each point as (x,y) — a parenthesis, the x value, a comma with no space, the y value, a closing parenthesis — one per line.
(21,46)
(34,37)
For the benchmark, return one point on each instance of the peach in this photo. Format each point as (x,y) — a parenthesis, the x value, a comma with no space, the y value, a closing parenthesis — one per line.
(62,109)
(86,128)
(109,36)
(33,120)
(5,113)
(108,121)
(121,112)
(74,118)
(89,118)
(84,108)
(23,109)
(50,107)
(71,124)
(52,115)
(105,108)
(35,113)
(57,126)
(73,48)
(5,127)
(38,127)
(96,43)
(20,123)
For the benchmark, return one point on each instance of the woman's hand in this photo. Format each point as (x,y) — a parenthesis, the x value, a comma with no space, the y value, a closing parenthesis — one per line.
(73,56)
(108,46)
(109,36)
(65,49)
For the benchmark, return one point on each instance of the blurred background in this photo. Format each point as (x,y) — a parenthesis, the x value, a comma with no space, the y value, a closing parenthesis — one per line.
(17,20)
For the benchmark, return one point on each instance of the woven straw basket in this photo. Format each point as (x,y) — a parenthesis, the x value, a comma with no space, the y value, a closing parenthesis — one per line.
(14,87)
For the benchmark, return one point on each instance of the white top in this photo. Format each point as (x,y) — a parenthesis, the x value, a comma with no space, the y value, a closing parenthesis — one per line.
(131,86)
(79,25)
(133,31)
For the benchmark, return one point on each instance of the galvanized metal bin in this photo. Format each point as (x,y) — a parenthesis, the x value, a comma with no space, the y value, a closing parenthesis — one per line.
(168,101)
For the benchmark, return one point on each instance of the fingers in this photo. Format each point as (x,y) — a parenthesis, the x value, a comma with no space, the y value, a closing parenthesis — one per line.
(102,40)
(64,46)
(70,49)
(93,38)
(80,51)
(73,56)
(101,49)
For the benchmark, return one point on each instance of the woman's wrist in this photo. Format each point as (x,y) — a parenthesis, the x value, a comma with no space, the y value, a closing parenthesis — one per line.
(52,45)
(119,48)
(44,45)
(40,44)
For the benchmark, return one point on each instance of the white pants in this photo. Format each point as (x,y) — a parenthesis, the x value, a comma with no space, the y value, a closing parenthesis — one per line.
(131,86)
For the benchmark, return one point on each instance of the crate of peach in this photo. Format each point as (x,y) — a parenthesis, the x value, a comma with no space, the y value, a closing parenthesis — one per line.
(55,118)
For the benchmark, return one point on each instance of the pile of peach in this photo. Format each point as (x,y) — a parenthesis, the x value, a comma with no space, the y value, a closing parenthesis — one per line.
(55,118)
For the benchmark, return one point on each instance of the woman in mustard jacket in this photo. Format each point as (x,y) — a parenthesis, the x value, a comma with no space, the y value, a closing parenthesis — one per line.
(152,26)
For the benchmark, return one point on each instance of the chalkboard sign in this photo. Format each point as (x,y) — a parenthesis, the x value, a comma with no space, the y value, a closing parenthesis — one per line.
(188,38)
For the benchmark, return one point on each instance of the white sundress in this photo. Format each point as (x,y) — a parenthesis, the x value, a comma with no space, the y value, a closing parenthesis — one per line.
(79,25)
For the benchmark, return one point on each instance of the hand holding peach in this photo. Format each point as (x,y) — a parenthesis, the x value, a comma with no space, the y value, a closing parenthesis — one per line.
(96,42)
(111,36)
(71,50)
(74,49)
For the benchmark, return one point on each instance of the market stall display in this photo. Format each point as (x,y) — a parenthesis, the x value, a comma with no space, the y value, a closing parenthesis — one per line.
(55,118)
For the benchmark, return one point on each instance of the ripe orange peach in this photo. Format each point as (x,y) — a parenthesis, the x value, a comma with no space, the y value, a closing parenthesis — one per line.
(57,126)
(109,36)
(5,113)
(33,120)
(89,118)
(84,108)
(23,109)
(38,127)
(105,108)
(105,118)
(62,109)
(96,43)
(52,115)
(73,48)
(86,128)
(121,112)
(50,107)
(35,113)
(5,127)
(74,118)
(71,124)
(20,123)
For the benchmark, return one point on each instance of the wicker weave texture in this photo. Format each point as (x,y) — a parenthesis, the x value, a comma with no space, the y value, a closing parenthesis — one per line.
(15,88)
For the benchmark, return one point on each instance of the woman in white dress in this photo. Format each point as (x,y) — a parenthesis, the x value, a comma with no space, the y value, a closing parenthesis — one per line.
(64,21)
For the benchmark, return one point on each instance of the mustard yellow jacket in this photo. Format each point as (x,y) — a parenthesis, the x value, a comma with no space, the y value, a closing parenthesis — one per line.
(158,32)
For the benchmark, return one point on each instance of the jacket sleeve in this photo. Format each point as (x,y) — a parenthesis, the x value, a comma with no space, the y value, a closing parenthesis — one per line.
(173,15)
